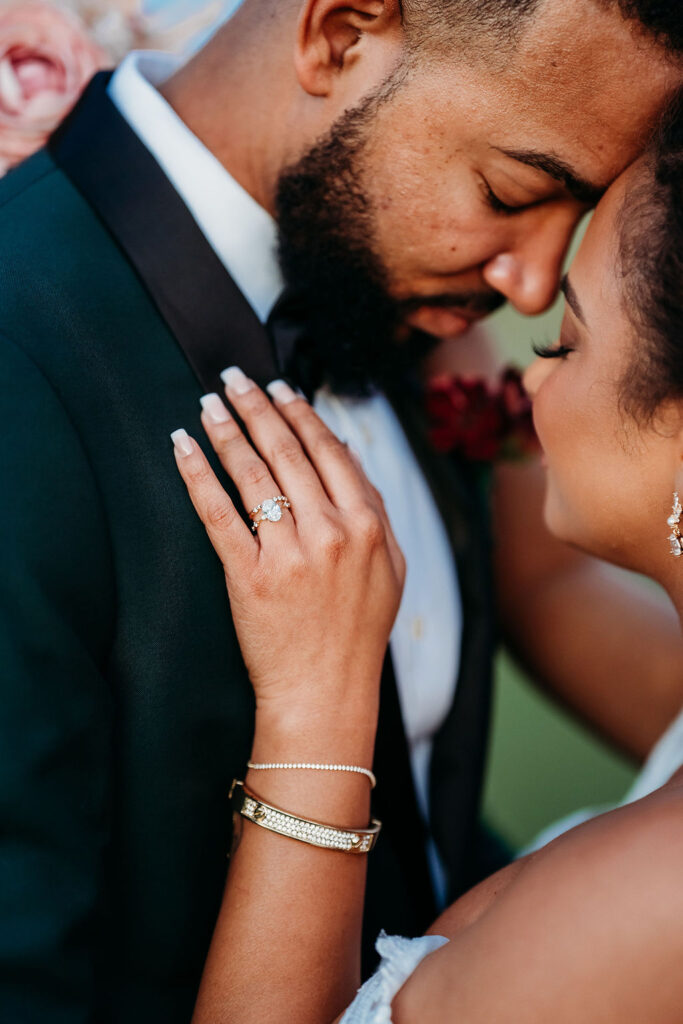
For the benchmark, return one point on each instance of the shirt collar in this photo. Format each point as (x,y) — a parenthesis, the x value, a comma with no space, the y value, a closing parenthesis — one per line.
(242,234)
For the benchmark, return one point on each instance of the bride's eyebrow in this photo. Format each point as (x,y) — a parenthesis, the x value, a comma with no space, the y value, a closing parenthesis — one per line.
(567,289)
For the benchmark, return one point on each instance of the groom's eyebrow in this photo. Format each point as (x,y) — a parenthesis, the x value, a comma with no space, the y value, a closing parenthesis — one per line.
(567,289)
(577,186)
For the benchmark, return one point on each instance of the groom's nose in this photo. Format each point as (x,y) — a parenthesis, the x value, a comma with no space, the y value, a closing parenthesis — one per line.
(527,271)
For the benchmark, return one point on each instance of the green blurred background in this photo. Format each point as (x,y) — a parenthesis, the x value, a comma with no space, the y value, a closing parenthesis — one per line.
(542,763)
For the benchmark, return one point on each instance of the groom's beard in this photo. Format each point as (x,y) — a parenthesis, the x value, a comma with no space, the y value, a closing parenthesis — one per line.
(327,257)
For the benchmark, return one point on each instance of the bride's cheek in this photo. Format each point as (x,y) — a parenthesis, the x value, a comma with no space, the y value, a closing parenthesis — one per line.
(545,418)
(557,434)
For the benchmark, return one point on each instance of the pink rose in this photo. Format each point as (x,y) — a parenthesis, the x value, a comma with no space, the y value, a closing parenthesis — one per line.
(46,60)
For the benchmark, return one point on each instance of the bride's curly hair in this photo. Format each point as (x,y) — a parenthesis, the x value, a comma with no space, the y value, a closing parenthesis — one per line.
(650,259)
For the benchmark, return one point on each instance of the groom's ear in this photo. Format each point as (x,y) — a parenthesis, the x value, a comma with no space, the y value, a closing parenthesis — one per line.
(333,37)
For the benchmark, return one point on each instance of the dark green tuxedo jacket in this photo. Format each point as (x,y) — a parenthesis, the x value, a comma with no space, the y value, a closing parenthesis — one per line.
(125,709)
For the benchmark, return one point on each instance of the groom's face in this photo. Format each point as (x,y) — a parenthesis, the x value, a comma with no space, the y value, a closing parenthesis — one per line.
(459,186)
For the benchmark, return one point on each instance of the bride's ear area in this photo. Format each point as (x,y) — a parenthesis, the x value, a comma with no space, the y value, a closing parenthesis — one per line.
(330,36)
(675,520)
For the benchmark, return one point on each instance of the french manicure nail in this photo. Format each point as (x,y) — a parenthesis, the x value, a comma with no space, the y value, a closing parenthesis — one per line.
(214,407)
(182,442)
(236,380)
(281,392)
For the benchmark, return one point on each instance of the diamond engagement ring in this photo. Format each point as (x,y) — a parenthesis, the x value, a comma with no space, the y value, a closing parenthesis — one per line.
(269,510)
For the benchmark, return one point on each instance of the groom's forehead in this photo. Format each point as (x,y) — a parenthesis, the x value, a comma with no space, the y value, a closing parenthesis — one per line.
(578,102)
(566,53)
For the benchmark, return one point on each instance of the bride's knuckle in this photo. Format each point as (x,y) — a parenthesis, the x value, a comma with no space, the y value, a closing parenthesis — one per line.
(232,441)
(256,403)
(254,474)
(287,452)
(333,543)
(301,414)
(328,445)
(220,515)
(197,473)
(295,566)
(377,496)
(369,528)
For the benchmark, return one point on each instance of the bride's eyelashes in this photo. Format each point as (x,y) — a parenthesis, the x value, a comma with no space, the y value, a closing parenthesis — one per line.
(555,351)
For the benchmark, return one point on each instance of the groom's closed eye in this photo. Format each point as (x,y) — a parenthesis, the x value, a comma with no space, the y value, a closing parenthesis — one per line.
(559,170)
(499,205)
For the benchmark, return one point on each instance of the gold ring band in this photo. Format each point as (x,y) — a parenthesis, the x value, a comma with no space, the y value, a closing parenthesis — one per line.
(269,511)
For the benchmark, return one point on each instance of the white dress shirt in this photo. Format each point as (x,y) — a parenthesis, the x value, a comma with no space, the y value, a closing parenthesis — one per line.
(426,639)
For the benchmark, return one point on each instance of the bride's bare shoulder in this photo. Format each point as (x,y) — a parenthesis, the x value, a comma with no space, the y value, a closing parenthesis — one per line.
(590,929)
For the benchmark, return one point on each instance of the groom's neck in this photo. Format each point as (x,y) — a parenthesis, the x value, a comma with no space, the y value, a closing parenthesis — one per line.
(240,96)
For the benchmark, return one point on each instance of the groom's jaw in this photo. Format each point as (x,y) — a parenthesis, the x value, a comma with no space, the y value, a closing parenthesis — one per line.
(441,323)
(450,314)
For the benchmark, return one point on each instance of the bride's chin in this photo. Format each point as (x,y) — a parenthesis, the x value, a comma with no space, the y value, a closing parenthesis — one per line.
(573,530)
(556,517)
(613,547)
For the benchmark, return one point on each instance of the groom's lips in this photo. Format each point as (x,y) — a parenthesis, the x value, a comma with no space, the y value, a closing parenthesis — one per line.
(441,321)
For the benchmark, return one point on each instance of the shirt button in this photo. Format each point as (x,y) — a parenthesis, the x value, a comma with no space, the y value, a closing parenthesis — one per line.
(418,627)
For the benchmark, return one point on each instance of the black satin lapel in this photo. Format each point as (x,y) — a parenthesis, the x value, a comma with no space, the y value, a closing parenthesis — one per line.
(201,304)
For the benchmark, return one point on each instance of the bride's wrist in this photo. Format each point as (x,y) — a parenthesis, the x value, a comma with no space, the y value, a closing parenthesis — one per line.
(318,731)
(343,733)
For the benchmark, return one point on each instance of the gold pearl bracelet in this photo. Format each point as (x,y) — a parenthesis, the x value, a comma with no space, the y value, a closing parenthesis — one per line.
(315,833)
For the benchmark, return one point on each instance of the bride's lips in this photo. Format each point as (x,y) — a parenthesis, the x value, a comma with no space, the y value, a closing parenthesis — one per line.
(441,321)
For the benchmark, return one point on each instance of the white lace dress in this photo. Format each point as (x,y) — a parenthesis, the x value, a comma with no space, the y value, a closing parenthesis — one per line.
(400,957)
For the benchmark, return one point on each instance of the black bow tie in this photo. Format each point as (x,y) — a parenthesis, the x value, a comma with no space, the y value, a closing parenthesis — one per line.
(295,349)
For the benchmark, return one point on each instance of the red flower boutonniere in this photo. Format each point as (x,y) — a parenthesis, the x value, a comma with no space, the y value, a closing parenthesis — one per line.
(480,421)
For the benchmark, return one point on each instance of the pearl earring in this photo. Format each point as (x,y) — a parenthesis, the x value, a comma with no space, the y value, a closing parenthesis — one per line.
(675,537)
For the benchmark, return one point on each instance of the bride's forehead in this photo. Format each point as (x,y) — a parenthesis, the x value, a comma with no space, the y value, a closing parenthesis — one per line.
(617,193)
(599,250)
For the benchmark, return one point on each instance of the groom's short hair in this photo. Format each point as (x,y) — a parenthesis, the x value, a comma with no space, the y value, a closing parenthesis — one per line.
(471,20)
(503,21)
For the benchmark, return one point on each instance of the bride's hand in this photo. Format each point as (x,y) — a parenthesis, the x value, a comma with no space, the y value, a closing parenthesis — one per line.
(313,596)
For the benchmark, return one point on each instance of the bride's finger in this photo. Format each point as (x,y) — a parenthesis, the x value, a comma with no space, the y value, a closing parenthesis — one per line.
(337,465)
(275,441)
(341,476)
(251,475)
(231,538)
